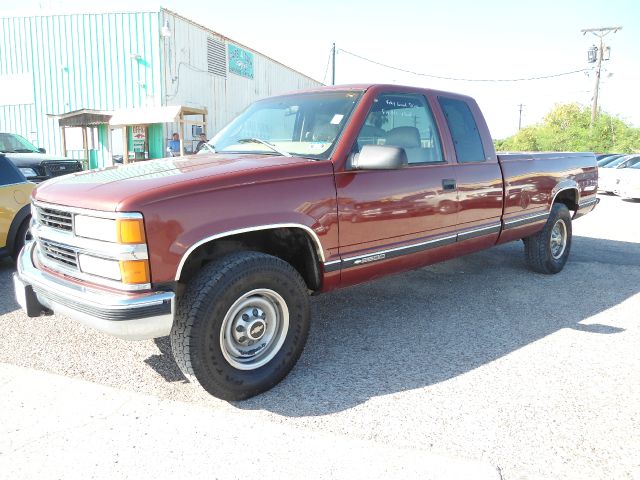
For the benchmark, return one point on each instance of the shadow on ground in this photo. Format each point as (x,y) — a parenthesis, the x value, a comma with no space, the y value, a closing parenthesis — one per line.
(163,363)
(427,326)
(420,328)
(7,297)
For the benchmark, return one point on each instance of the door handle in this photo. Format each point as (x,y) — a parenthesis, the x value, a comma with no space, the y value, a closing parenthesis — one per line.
(449,184)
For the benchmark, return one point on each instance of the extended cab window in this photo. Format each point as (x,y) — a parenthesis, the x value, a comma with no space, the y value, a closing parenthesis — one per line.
(464,131)
(402,120)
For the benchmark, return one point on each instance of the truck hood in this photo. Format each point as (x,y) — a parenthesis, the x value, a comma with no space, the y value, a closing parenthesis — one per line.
(134,184)
(32,159)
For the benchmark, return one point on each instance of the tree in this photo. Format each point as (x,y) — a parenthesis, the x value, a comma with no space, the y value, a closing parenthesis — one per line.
(567,128)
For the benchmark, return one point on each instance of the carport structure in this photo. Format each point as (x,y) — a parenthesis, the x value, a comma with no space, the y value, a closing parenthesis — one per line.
(88,120)
(153,120)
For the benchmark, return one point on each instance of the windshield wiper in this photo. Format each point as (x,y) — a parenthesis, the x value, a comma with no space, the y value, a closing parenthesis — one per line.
(263,142)
(23,150)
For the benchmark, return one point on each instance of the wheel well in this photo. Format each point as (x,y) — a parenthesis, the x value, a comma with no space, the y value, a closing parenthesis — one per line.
(569,197)
(293,245)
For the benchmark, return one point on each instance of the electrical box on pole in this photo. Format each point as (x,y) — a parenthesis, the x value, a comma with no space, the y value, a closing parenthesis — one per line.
(597,55)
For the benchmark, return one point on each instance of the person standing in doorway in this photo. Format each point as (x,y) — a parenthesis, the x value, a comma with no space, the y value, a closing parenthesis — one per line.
(174,145)
(202,139)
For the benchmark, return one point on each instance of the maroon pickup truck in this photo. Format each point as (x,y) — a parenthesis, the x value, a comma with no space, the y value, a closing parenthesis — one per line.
(300,194)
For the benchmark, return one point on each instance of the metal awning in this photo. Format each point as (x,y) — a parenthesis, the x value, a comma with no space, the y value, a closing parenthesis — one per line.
(83,118)
(146,116)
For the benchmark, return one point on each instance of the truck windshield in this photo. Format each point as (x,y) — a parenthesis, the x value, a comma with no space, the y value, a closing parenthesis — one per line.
(307,124)
(12,143)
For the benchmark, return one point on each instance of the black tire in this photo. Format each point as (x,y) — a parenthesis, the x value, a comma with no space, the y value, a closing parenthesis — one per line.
(205,312)
(22,236)
(544,254)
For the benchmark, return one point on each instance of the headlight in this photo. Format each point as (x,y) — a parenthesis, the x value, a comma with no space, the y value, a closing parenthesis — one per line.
(100,266)
(128,271)
(121,230)
(96,228)
(28,172)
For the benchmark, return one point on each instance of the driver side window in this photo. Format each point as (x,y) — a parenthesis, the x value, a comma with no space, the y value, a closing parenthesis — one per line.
(402,120)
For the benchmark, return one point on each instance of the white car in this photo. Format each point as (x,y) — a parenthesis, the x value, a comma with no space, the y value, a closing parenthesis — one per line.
(628,182)
(608,174)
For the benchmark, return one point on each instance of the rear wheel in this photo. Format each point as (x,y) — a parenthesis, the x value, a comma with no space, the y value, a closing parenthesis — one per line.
(241,324)
(547,251)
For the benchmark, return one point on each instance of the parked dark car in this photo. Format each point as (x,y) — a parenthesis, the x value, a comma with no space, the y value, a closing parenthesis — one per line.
(34,163)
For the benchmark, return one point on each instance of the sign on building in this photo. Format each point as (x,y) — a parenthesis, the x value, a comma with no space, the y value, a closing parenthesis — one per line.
(139,133)
(240,61)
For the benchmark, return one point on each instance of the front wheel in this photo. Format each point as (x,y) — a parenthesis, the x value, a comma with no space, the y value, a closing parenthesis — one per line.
(547,251)
(241,324)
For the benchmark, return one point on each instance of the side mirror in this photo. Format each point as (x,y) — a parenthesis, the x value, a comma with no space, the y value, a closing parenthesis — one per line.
(379,157)
(42,150)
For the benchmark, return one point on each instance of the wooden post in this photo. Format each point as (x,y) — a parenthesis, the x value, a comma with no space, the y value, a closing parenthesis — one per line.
(205,127)
(181,135)
(109,160)
(125,145)
(85,147)
(64,141)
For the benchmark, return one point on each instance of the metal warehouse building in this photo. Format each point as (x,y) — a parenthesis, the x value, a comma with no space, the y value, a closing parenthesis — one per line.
(107,81)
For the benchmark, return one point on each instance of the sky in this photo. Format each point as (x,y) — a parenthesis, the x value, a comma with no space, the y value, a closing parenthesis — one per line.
(491,39)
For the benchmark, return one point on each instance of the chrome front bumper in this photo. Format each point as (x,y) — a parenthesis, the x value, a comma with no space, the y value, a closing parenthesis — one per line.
(136,316)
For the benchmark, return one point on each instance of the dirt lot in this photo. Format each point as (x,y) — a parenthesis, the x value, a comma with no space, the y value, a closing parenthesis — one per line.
(476,358)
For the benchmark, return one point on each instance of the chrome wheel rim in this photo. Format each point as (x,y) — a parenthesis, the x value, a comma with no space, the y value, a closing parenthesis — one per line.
(558,242)
(254,329)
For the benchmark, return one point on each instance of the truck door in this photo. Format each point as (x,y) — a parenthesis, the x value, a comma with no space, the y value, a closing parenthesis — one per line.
(477,172)
(385,214)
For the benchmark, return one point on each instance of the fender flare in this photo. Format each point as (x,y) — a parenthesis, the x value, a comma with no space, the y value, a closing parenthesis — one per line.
(23,214)
(314,239)
(563,186)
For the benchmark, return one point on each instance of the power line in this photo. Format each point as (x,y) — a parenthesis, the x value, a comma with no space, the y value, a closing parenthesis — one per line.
(440,77)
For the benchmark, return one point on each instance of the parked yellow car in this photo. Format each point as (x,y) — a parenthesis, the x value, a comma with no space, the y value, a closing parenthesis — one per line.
(15,210)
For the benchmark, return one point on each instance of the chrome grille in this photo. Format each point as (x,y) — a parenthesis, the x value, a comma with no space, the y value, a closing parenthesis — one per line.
(54,218)
(58,253)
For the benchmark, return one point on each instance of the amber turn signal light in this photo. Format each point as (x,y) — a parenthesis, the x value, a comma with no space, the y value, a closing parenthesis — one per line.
(134,271)
(130,230)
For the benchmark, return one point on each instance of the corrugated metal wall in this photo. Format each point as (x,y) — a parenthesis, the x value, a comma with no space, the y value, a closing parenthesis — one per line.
(97,61)
(110,61)
(188,82)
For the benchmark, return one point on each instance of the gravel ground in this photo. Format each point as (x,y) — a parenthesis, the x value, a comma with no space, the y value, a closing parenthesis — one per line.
(474,358)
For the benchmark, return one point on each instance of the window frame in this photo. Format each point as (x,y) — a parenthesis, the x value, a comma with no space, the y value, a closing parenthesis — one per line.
(434,122)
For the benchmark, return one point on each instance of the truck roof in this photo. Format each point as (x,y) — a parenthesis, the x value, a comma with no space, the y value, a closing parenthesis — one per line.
(366,86)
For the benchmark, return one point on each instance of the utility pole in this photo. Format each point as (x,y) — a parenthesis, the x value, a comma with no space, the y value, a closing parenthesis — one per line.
(520,117)
(333,65)
(599,56)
